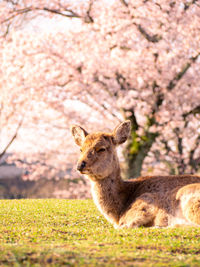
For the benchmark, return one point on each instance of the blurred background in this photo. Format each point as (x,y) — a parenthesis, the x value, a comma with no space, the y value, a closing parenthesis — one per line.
(96,63)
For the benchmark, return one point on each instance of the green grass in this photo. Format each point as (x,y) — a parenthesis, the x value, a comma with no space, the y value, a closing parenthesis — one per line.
(73,233)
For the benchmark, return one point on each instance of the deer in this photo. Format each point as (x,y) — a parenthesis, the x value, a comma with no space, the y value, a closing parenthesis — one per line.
(149,201)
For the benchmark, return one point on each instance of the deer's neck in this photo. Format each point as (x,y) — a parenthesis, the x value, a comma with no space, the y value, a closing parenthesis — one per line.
(108,195)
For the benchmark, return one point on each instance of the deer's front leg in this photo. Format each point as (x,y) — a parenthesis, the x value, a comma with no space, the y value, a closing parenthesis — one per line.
(141,212)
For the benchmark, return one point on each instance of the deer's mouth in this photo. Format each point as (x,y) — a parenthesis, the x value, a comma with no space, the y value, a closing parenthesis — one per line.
(85,171)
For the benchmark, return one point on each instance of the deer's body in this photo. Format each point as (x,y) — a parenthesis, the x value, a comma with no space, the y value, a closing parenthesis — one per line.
(145,201)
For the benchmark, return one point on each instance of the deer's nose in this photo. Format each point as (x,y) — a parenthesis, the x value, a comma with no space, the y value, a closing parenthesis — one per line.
(81,165)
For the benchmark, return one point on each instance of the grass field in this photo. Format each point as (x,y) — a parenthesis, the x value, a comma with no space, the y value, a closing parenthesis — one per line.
(73,233)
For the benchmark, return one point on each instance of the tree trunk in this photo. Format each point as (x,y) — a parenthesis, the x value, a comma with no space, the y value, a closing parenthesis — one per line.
(137,146)
(135,152)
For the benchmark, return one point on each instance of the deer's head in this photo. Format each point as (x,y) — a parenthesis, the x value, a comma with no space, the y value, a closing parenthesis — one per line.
(98,157)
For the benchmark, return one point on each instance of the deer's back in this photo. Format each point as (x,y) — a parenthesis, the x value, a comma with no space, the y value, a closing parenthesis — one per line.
(163,188)
(161,185)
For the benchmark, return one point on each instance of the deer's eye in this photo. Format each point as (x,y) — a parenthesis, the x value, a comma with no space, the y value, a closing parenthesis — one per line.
(102,149)
(81,150)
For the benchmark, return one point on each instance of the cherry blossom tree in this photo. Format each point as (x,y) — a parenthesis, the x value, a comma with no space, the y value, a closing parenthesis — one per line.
(136,60)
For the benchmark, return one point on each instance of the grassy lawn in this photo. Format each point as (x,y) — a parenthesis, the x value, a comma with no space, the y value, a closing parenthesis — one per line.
(72,233)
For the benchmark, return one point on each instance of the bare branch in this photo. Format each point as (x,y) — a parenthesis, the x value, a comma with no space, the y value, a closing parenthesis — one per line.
(124,3)
(66,13)
(12,139)
(151,38)
(70,13)
(7,31)
(17,13)
(89,18)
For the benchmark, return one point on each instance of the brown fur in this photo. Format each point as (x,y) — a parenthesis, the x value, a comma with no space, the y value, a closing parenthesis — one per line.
(146,201)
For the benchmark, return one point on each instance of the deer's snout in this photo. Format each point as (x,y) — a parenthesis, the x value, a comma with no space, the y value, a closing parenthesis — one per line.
(81,165)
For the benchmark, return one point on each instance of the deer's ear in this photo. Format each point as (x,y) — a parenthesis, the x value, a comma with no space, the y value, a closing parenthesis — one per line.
(122,132)
(79,134)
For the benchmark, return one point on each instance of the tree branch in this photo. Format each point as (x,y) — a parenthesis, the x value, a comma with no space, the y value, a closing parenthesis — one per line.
(194,163)
(194,111)
(17,13)
(89,18)
(159,97)
(121,80)
(124,3)
(104,85)
(179,140)
(12,139)
(101,105)
(129,114)
(151,38)
(188,4)
(70,13)
(181,73)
